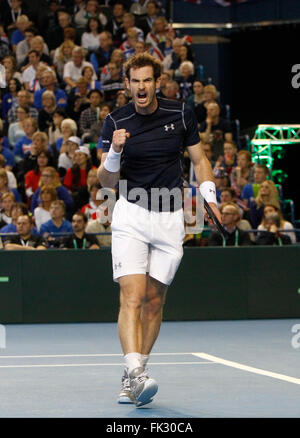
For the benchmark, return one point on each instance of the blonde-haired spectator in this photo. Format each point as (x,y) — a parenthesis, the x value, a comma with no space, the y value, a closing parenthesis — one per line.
(8,200)
(4,187)
(12,181)
(45,117)
(185,79)
(38,43)
(158,33)
(267,194)
(62,55)
(285,226)
(68,129)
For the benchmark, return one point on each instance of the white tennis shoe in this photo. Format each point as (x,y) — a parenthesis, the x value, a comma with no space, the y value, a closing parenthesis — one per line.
(142,387)
(125,396)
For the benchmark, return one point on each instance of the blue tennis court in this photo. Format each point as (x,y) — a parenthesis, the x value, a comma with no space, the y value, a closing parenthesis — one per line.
(204,369)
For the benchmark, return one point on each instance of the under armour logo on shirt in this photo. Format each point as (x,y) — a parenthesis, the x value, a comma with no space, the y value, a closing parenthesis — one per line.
(169,127)
(118,265)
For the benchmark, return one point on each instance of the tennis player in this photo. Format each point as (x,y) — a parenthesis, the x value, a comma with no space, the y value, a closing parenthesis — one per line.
(143,143)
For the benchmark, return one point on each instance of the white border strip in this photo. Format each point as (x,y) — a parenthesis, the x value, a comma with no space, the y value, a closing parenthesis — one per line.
(86,355)
(240,366)
(99,364)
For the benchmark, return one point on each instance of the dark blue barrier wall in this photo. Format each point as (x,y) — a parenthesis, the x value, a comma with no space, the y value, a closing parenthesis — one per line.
(259,10)
(212,283)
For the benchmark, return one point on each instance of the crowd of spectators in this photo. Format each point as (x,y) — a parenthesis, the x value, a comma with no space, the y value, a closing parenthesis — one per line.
(63,71)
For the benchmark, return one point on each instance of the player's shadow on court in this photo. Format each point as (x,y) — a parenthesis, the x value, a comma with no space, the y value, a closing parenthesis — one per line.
(155,411)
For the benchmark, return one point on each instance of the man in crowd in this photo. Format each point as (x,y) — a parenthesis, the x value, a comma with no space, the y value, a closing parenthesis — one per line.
(260,175)
(57,223)
(215,129)
(49,83)
(235,237)
(25,239)
(79,239)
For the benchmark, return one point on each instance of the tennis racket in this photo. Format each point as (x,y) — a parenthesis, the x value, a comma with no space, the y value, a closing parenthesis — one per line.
(215,220)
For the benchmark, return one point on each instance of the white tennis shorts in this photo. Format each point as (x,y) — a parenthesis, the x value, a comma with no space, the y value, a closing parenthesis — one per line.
(145,241)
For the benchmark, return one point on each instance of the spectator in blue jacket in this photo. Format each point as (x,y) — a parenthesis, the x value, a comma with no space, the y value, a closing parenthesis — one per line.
(57,224)
(49,83)
(10,99)
(7,154)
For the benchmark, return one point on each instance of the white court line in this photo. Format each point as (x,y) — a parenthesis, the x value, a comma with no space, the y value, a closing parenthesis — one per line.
(99,364)
(240,366)
(86,355)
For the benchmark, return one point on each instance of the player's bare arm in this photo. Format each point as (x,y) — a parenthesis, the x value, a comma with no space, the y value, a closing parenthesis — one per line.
(203,171)
(109,169)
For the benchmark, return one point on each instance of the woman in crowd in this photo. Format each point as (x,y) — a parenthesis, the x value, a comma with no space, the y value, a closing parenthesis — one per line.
(15,130)
(242,173)
(45,117)
(76,177)
(54,131)
(90,38)
(197,96)
(68,129)
(87,74)
(210,94)
(39,144)
(41,213)
(12,181)
(10,64)
(267,194)
(186,79)
(10,99)
(62,55)
(285,226)
(5,189)
(32,177)
(7,201)
(66,159)
(49,176)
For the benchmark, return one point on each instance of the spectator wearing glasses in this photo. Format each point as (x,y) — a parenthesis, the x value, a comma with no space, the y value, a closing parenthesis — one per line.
(235,236)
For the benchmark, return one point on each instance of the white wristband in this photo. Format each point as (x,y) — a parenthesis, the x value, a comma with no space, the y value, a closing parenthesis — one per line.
(208,191)
(113,159)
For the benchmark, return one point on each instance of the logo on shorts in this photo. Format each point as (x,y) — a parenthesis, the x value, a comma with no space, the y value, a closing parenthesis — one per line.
(169,127)
(118,265)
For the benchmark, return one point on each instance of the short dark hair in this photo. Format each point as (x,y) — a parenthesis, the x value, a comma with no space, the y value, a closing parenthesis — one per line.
(60,112)
(99,92)
(81,214)
(20,205)
(143,60)
(29,217)
(31,29)
(34,51)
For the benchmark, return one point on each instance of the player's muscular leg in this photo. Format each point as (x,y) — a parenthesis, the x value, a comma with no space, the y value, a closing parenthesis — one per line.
(132,295)
(151,314)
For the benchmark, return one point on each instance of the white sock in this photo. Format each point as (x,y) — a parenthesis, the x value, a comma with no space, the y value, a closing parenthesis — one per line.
(132,361)
(145,358)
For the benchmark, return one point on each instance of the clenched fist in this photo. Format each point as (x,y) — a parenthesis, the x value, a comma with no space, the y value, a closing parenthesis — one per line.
(119,139)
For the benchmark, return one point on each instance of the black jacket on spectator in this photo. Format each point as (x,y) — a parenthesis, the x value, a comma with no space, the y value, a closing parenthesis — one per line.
(268,238)
(243,239)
